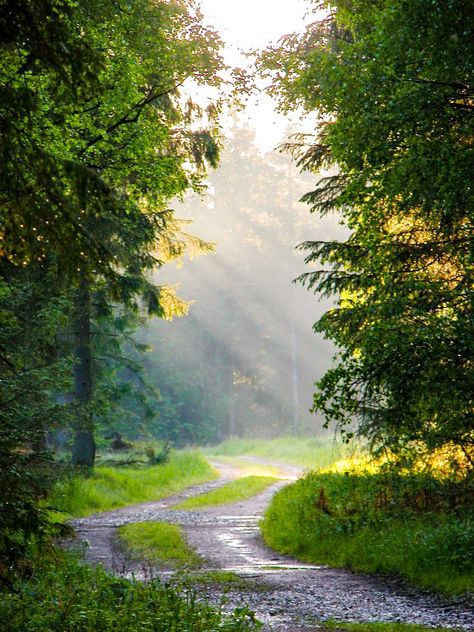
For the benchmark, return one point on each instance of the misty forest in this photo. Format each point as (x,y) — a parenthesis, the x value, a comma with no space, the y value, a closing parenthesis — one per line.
(236,315)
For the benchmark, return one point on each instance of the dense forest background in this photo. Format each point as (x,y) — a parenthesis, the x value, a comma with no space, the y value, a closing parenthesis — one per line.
(243,361)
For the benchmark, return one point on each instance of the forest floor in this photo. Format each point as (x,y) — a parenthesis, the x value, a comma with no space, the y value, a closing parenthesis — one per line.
(285,594)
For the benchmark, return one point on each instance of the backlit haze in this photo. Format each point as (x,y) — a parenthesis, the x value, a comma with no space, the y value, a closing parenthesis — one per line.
(253,24)
(246,350)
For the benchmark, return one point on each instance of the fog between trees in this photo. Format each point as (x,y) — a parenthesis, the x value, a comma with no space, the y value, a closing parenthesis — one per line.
(245,358)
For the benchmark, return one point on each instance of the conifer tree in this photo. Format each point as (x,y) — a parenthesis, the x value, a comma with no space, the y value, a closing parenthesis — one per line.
(392,84)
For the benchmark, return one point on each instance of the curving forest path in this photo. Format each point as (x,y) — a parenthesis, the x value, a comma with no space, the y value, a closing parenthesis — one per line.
(288,596)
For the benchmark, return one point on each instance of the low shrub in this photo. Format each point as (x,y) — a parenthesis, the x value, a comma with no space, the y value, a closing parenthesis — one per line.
(67,595)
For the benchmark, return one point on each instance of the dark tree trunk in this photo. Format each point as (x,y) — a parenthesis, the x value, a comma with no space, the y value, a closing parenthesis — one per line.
(83,450)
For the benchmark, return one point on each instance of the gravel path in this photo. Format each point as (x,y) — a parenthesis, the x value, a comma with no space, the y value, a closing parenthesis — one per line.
(288,596)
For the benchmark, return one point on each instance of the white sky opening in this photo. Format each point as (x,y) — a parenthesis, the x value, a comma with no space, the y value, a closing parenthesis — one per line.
(254,24)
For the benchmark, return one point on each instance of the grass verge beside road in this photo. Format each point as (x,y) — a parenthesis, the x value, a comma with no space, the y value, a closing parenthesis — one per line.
(110,488)
(63,594)
(412,525)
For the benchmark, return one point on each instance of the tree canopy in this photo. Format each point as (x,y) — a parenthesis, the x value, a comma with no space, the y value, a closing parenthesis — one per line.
(98,134)
(392,84)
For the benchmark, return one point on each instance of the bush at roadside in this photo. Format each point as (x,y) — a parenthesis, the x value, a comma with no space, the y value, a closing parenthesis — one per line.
(414,525)
(66,595)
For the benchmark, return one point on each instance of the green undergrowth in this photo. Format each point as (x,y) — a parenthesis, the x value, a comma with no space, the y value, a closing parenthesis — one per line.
(240,489)
(157,543)
(415,526)
(306,452)
(111,487)
(333,626)
(138,454)
(67,595)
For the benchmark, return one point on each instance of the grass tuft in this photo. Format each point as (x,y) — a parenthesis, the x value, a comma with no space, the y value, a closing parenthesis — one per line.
(232,492)
(226,581)
(157,543)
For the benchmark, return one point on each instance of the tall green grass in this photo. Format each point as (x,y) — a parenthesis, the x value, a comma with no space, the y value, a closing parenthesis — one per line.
(306,452)
(414,526)
(109,488)
(65,595)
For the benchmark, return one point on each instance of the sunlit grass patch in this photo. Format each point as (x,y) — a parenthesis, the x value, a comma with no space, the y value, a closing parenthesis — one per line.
(306,452)
(330,454)
(109,488)
(240,489)
(246,467)
(157,543)
(417,526)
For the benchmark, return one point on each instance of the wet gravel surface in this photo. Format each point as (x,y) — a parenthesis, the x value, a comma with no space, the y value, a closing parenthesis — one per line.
(288,596)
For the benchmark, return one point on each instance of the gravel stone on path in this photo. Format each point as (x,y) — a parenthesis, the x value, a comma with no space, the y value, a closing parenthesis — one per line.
(287,595)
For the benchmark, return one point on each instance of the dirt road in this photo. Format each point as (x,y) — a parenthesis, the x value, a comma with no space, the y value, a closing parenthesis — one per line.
(286,595)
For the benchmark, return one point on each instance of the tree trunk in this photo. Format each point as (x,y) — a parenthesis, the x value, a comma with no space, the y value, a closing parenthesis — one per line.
(83,450)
